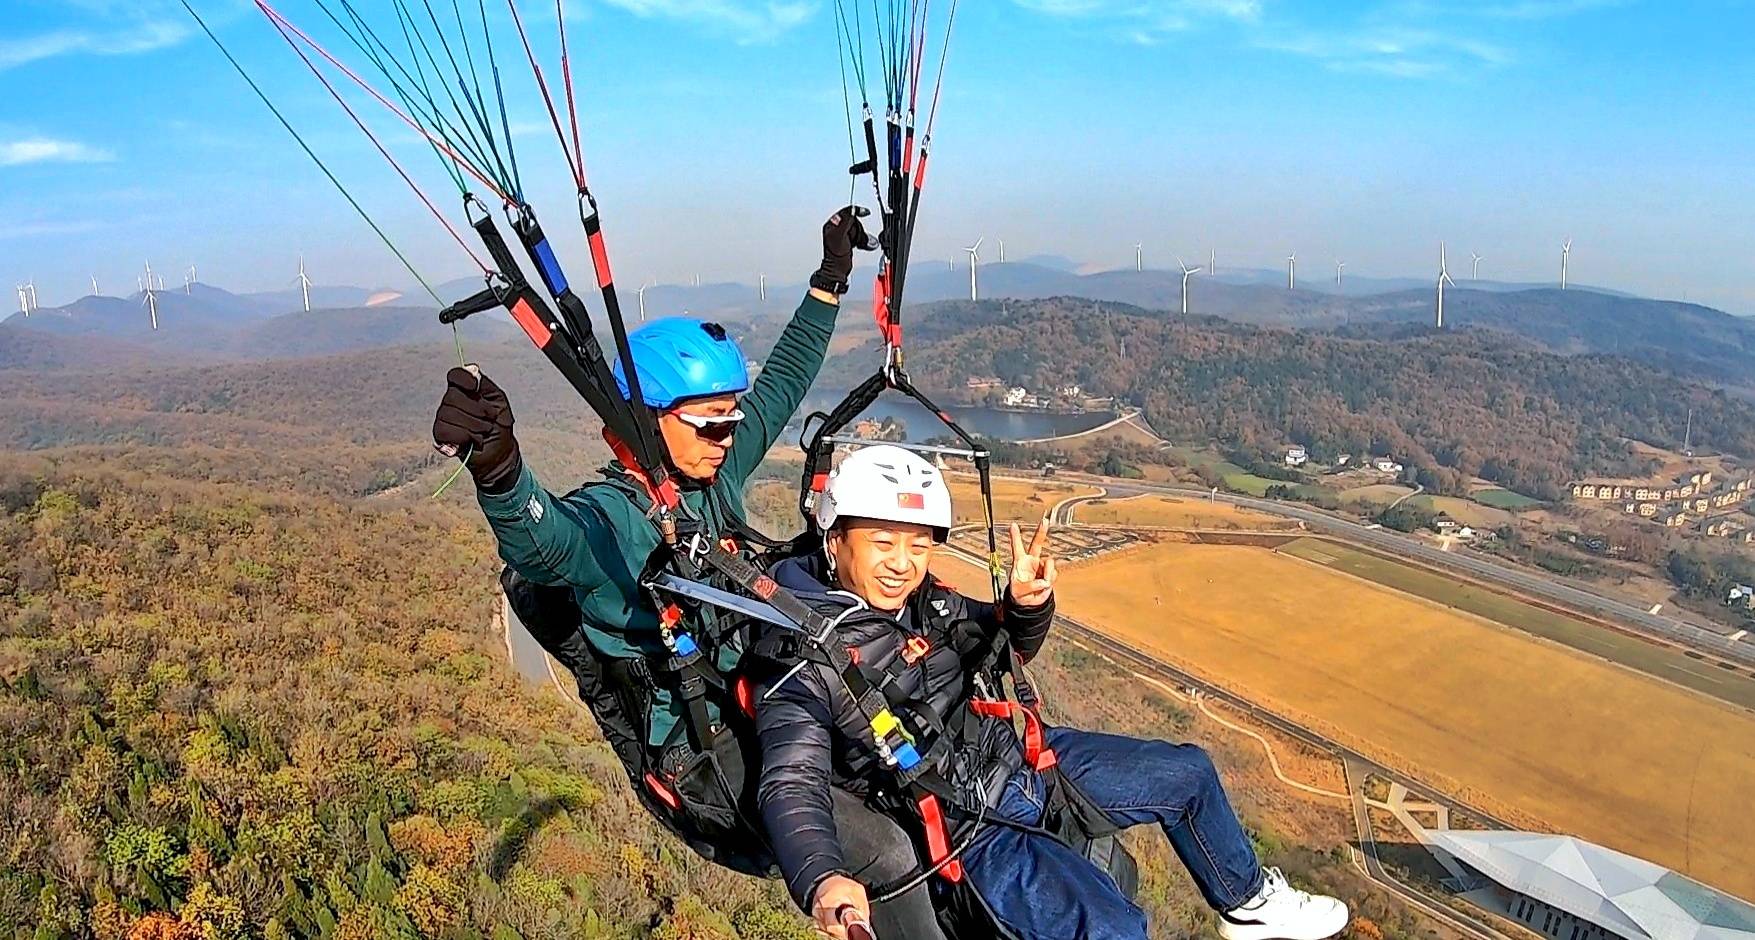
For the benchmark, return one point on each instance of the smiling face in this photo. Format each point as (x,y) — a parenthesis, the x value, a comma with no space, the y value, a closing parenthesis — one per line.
(882,562)
(697,453)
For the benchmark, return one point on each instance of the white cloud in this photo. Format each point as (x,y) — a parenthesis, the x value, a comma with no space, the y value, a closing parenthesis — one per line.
(48,150)
(1394,51)
(135,38)
(1147,21)
(1547,9)
(746,21)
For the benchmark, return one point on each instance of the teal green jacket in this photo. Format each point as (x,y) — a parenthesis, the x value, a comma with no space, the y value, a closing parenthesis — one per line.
(598,539)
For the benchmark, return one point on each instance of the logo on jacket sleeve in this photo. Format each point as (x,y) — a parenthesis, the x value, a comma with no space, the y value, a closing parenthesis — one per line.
(911,500)
(534,509)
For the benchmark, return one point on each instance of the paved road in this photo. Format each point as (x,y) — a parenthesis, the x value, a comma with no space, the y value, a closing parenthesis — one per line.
(528,657)
(1688,631)
(1372,865)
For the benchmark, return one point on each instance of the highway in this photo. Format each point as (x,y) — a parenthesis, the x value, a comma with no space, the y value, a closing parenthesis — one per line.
(1551,588)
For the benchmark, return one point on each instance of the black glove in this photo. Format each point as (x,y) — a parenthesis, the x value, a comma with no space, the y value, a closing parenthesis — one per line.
(841,235)
(474,422)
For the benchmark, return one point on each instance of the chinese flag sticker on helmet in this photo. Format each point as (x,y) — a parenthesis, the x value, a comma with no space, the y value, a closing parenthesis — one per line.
(910,501)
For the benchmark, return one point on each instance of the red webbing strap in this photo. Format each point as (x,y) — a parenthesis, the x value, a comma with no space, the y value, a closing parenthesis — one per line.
(938,839)
(664,494)
(880,309)
(664,793)
(1036,749)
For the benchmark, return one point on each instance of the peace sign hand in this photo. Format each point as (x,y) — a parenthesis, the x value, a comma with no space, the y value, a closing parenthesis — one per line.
(1033,571)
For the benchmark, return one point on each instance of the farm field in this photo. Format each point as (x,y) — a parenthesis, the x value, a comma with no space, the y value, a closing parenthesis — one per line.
(1377,495)
(1504,499)
(1171,512)
(1235,477)
(1462,510)
(1013,500)
(1661,661)
(1521,726)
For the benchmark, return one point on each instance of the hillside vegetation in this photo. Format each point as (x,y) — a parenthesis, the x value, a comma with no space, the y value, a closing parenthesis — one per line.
(227,715)
(1455,404)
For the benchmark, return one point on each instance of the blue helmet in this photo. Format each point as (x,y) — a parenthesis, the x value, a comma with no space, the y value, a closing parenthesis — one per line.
(678,358)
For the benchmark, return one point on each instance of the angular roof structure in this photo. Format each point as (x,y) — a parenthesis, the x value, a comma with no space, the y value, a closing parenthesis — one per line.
(1623,894)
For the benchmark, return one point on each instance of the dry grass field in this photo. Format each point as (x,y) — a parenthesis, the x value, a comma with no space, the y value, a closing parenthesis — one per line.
(1464,511)
(1013,500)
(1177,513)
(1524,727)
(1376,494)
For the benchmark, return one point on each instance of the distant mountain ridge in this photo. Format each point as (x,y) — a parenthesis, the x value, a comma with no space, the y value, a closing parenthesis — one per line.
(1689,339)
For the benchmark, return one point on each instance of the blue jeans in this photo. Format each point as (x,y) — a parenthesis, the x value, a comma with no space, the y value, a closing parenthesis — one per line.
(1040,889)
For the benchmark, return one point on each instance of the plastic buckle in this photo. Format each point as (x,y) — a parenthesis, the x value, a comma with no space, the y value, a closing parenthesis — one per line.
(677,641)
(915,649)
(900,752)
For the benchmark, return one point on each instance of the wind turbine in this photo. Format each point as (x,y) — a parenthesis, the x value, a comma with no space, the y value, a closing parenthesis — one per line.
(150,301)
(94,289)
(31,287)
(1340,273)
(1565,255)
(1292,270)
(189,281)
(1187,272)
(1002,251)
(1212,264)
(23,300)
(761,286)
(304,284)
(641,293)
(1139,257)
(974,263)
(1443,279)
(1476,274)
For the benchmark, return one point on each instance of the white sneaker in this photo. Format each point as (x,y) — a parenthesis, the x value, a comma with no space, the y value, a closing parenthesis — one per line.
(1281,912)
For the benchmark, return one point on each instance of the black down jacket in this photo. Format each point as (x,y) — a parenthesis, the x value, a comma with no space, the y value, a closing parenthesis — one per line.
(813,735)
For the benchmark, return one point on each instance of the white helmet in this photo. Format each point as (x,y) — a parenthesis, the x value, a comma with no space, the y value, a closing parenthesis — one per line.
(889,484)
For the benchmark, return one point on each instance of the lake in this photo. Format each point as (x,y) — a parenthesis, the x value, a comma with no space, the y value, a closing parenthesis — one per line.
(987,422)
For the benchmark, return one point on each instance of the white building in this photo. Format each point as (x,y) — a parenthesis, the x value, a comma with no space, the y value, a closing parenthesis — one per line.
(1296,457)
(1569,889)
(1015,395)
(1386,465)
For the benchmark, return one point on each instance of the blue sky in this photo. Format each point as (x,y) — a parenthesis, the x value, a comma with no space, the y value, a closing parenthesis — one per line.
(1364,131)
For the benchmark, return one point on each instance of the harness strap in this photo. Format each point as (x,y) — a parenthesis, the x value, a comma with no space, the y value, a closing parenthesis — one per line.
(1036,750)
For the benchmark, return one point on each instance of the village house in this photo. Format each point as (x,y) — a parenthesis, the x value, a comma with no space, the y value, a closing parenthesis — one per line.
(1673,519)
(1016,395)
(977,383)
(1296,456)
(1722,528)
(1386,465)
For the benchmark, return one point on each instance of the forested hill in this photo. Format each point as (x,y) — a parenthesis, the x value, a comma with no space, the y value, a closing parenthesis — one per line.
(1454,403)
